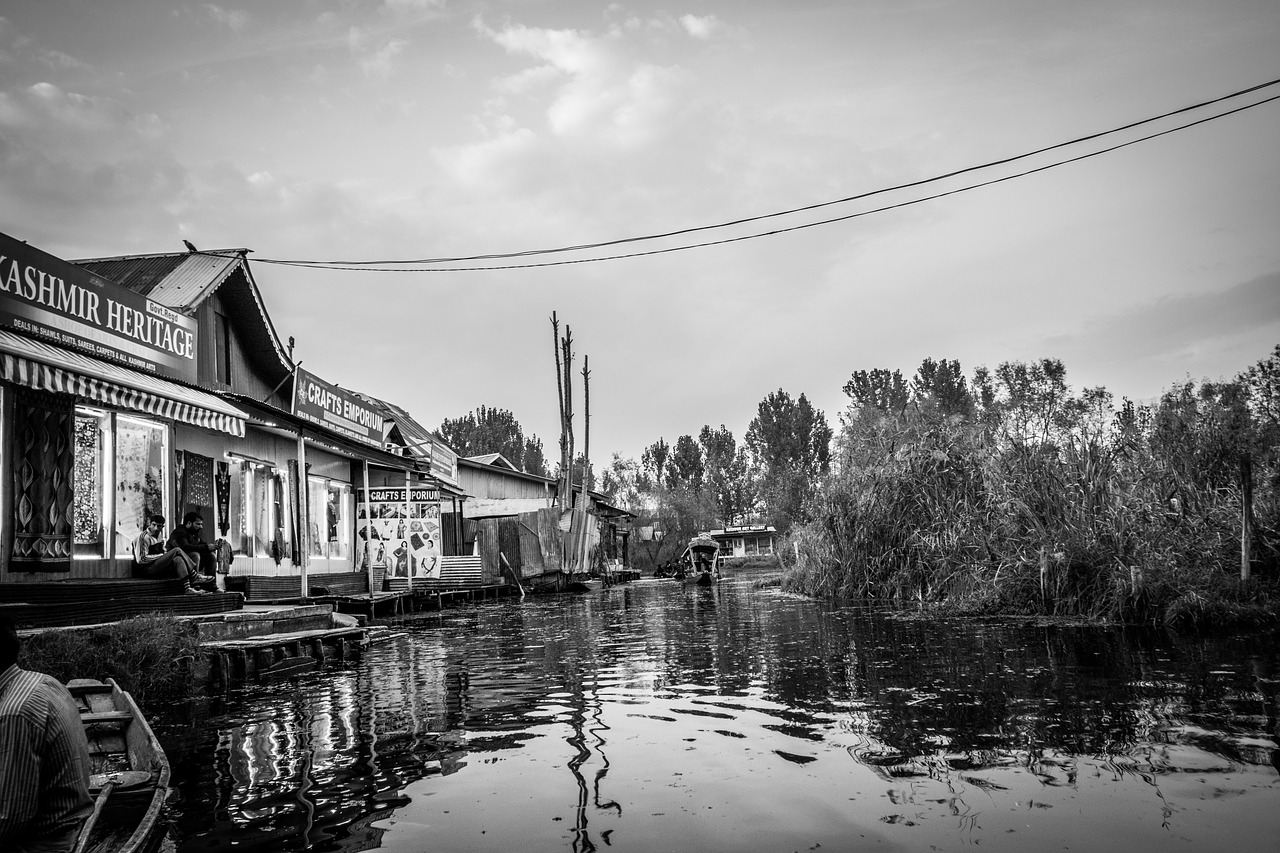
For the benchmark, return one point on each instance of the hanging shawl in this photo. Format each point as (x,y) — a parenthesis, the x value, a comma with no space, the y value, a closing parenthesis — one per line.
(43,455)
(222,484)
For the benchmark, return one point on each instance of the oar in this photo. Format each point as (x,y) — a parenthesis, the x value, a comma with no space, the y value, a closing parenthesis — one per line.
(87,829)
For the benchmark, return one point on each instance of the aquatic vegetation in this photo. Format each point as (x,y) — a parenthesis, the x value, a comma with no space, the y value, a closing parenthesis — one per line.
(147,655)
(1015,495)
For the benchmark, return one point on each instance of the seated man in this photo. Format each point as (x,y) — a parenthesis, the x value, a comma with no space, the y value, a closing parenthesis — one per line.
(190,539)
(151,559)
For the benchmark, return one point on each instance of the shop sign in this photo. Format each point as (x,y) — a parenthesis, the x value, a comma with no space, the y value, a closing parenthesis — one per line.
(336,409)
(55,301)
(402,537)
(444,463)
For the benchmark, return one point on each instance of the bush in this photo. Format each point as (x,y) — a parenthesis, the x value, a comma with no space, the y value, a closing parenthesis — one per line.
(147,655)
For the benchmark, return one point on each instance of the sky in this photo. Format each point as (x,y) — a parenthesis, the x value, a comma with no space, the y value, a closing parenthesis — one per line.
(364,130)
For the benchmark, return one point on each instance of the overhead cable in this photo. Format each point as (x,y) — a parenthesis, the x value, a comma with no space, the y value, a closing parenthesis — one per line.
(391,265)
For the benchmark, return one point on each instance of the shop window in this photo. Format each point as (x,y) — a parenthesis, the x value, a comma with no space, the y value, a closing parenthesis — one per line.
(238,507)
(120,476)
(263,482)
(257,511)
(328,533)
(89,472)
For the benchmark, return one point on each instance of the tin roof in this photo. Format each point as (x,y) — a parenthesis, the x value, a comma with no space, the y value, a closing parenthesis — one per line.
(179,280)
(183,280)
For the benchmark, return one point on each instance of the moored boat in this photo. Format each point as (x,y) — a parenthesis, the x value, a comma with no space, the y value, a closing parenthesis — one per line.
(130,772)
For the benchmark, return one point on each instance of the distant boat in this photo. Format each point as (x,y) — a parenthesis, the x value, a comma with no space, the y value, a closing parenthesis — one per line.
(130,772)
(700,561)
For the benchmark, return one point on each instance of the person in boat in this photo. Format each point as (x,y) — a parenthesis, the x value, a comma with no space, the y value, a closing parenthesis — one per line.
(190,538)
(154,559)
(44,758)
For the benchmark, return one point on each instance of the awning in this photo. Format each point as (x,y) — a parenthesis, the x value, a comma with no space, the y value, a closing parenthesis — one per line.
(34,364)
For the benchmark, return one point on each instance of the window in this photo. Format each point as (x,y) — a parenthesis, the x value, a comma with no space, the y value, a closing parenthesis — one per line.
(222,348)
(328,525)
(120,476)
(257,510)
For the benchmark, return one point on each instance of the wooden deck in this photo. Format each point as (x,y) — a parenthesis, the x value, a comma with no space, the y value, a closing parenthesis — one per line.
(51,604)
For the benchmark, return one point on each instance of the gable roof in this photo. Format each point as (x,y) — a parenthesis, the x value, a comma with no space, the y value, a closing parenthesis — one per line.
(495,460)
(183,280)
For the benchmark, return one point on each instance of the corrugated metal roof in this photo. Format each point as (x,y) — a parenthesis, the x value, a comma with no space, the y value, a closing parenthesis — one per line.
(139,274)
(181,280)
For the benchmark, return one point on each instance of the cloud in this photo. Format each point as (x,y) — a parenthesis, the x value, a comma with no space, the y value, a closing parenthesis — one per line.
(700,28)
(607,93)
(415,6)
(381,62)
(233,19)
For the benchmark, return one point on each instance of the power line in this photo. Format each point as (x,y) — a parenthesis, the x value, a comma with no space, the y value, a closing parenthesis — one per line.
(386,265)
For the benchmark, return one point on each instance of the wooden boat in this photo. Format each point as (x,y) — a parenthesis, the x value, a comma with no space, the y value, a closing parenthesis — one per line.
(130,772)
(700,561)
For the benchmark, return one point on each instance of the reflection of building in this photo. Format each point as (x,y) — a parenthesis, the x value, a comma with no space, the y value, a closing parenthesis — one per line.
(746,540)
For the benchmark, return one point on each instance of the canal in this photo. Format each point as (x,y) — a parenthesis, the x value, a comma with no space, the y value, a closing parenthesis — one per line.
(656,717)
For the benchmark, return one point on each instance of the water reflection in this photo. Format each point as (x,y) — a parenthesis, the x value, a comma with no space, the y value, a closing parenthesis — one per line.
(653,716)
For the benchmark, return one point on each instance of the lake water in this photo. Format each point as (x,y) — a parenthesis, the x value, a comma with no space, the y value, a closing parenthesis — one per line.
(656,717)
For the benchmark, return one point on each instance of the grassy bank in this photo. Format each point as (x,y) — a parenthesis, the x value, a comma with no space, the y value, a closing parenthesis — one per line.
(148,655)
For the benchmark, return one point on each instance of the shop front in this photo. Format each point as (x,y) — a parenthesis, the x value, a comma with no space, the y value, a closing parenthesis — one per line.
(96,413)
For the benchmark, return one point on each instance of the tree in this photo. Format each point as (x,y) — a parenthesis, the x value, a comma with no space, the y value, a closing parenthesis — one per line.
(685,468)
(654,459)
(726,473)
(494,430)
(879,389)
(791,442)
(941,384)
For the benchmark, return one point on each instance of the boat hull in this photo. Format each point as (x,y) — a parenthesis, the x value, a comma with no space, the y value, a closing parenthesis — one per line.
(130,771)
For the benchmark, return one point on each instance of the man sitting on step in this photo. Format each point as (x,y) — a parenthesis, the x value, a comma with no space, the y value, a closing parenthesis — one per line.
(151,559)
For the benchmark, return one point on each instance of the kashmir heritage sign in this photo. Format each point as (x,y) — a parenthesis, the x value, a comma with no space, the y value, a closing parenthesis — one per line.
(336,409)
(60,303)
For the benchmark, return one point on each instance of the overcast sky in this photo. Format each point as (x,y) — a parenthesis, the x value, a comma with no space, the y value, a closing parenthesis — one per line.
(405,129)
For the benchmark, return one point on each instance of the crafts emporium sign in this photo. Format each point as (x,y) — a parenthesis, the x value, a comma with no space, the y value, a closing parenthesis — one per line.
(63,304)
(336,409)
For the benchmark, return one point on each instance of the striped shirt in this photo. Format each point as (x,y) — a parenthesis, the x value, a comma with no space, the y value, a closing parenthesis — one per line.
(44,759)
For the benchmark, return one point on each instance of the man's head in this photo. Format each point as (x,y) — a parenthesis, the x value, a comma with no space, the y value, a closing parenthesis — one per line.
(193,521)
(9,643)
(155,523)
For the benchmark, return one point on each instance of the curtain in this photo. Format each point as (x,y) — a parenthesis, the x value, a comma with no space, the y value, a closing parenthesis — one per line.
(42,456)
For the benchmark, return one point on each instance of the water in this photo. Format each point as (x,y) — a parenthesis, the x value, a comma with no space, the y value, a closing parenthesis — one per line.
(655,717)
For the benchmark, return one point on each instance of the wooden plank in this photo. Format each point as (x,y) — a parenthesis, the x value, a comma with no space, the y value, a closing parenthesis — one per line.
(92,717)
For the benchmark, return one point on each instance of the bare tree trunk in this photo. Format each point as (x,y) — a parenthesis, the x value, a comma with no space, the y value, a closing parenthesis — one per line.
(1246,517)
(555,340)
(586,454)
(567,344)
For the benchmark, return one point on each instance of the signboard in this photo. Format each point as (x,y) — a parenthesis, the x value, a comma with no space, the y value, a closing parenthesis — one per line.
(444,462)
(336,409)
(60,303)
(403,537)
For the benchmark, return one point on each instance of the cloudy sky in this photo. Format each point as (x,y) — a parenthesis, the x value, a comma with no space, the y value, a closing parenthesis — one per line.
(357,130)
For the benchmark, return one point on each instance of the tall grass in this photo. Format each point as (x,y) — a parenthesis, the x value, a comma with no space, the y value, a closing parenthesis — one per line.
(1083,519)
(147,655)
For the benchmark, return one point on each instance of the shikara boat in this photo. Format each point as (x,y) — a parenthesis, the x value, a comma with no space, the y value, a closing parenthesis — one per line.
(702,559)
(130,772)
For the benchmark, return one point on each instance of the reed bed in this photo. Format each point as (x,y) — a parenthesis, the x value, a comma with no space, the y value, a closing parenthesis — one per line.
(1130,520)
(148,655)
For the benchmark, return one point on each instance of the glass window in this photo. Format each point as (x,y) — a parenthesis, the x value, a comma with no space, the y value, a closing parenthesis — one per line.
(328,524)
(264,509)
(120,476)
(336,520)
(238,507)
(141,456)
(89,473)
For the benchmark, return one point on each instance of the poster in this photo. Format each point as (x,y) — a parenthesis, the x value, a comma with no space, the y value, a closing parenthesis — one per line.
(404,537)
